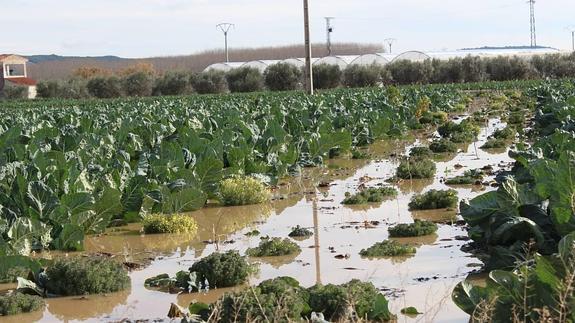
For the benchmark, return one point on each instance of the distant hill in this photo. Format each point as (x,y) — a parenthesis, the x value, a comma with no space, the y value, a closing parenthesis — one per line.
(49,58)
(46,67)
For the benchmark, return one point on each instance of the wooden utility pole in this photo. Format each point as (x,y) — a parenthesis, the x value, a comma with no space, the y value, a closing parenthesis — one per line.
(308,66)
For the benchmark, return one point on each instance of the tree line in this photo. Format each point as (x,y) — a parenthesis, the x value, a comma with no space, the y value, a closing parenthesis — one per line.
(143,80)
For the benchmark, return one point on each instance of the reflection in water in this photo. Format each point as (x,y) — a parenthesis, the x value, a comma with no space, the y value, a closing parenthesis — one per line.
(316,243)
(414,185)
(429,239)
(278,261)
(440,215)
(85,307)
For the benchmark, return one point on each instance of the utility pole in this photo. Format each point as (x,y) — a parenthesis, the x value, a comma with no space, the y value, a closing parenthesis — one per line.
(571,29)
(225,28)
(308,66)
(328,30)
(389,42)
(532,22)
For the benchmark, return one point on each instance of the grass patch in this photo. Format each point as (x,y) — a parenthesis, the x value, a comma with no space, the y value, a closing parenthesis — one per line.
(177,223)
(370,195)
(359,154)
(83,275)
(416,169)
(253,233)
(469,177)
(299,232)
(18,303)
(222,270)
(443,146)
(507,133)
(242,190)
(492,143)
(516,118)
(434,199)
(387,248)
(417,229)
(465,131)
(272,247)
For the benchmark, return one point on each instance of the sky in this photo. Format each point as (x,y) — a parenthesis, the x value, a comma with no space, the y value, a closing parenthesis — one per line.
(144,28)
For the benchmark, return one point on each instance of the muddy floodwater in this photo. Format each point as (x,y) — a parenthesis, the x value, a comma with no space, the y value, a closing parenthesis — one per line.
(423,280)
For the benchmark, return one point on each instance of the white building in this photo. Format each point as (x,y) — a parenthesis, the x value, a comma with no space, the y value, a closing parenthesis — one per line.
(14,73)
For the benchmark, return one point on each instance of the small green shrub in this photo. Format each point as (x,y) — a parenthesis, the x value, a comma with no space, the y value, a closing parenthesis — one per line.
(15,92)
(300,232)
(283,77)
(17,303)
(362,76)
(326,76)
(172,83)
(443,146)
(415,229)
(465,131)
(370,195)
(177,223)
(420,153)
(222,270)
(83,275)
(507,133)
(516,118)
(271,247)
(105,87)
(416,169)
(240,190)
(245,79)
(209,82)
(387,248)
(139,83)
(434,199)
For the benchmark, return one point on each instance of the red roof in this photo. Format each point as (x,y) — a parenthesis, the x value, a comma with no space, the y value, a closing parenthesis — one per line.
(2,56)
(22,81)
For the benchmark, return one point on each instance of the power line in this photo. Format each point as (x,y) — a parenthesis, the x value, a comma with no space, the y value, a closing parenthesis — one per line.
(225,28)
(532,22)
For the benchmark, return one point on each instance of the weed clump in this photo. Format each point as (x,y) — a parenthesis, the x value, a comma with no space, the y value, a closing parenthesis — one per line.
(242,190)
(469,177)
(507,133)
(417,229)
(17,303)
(280,298)
(82,275)
(435,118)
(222,270)
(420,152)
(359,154)
(416,169)
(443,146)
(387,248)
(271,247)
(370,195)
(434,199)
(177,223)
(492,143)
(462,132)
(299,232)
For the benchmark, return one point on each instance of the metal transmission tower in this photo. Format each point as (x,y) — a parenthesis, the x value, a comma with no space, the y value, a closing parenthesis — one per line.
(225,28)
(389,42)
(532,22)
(308,66)
(328,31)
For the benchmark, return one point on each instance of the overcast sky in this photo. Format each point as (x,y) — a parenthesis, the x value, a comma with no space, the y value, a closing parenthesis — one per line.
(143,28)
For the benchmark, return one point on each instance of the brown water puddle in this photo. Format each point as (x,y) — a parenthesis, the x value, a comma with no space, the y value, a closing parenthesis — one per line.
(423,280)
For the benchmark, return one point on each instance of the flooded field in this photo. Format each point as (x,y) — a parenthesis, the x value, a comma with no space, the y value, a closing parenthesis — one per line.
(423,280)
